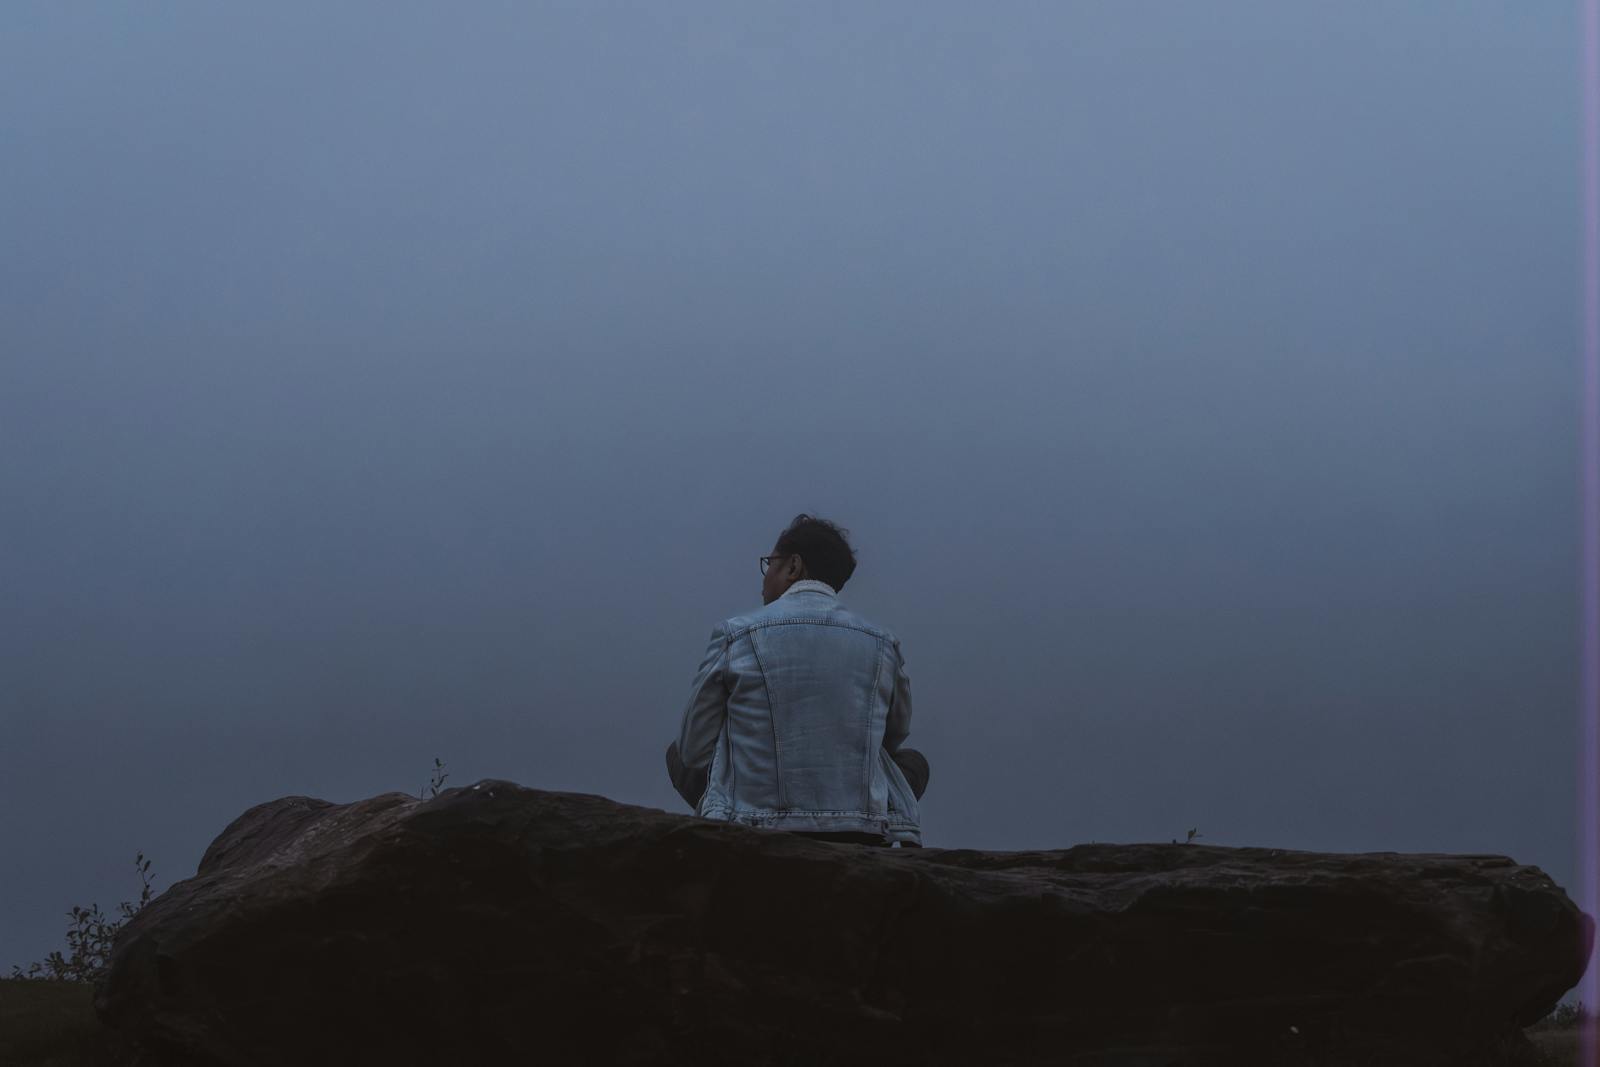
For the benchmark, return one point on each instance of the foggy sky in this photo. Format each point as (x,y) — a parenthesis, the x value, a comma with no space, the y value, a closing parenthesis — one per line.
(1198,383)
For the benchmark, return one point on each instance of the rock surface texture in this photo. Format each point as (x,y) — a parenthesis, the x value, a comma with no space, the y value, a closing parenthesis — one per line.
(500,924)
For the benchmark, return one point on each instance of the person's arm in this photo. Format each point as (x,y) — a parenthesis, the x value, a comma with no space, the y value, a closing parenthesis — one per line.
(707,707)
(691,785)
(898,726)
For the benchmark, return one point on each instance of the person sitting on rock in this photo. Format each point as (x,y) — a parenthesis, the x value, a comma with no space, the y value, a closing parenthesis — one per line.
(799,712)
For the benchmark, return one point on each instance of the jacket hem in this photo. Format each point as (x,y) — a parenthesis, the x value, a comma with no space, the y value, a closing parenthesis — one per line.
(821,821)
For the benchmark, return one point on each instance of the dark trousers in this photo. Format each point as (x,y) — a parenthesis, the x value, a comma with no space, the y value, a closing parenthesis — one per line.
(846,836)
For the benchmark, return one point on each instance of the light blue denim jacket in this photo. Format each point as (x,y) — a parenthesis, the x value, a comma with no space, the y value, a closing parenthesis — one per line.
(796,709)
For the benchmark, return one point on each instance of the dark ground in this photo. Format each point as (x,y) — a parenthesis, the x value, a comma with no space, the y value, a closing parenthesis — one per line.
(49,1024)
(52,1024)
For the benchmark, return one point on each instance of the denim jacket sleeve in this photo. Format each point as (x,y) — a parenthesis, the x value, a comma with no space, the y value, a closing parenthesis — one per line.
(898,725)
(708,704)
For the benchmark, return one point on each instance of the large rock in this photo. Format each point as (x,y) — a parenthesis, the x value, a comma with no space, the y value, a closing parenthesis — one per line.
(499,924)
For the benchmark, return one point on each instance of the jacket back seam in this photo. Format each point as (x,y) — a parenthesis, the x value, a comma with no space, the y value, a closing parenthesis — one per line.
(806,620)
(871,758)
(772,720)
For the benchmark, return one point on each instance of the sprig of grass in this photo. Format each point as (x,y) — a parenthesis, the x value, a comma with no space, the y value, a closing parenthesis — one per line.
(439,775)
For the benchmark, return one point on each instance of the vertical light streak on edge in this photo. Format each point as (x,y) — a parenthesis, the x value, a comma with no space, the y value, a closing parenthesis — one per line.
(1589,524)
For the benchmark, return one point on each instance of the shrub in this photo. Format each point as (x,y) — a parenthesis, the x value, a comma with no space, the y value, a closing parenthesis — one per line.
(92,933)
(89,939)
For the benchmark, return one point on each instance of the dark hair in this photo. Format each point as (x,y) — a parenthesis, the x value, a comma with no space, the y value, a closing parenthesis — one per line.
(828,556)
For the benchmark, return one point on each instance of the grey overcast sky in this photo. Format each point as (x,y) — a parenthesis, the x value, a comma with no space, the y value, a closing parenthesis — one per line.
(382,382)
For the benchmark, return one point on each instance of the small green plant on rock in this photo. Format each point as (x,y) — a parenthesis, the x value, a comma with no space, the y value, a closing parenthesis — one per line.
(89,939)
(439,775)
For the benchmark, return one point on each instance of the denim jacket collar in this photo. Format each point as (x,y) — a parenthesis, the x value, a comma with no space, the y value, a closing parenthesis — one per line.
(810,585)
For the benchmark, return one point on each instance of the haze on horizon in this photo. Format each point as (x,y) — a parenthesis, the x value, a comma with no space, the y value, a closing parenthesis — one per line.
(390,382)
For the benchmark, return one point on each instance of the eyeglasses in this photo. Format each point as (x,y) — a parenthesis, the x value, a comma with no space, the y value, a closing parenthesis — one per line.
(768,559)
